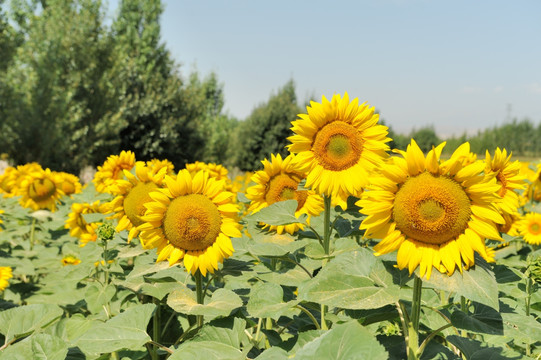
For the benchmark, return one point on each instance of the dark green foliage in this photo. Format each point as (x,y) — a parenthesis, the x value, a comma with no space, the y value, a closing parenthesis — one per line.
(266,130)
(425,137)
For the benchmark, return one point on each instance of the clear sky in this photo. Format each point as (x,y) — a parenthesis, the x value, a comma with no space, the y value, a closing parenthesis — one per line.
(457,65)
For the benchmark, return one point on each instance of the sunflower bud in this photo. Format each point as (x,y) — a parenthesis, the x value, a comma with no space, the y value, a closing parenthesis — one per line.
(105,232)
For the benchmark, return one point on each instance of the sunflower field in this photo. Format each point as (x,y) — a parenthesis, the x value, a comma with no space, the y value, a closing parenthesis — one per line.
(340,250)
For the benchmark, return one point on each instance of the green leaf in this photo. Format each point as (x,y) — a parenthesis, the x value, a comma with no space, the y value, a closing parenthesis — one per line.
(97,295)
(221,303)
(279,213)
(273,353)
(476,350)
(23,320)
(521,328)
(229,331)
(344,341)
(275,245)
(477,283)
(484,320)
(266,300)
(125,331)
(94,217)
(353,280)
(47,347)
(205,350)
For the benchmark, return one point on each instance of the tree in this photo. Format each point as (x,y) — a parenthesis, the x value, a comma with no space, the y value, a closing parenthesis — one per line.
(426,138)
(265,131)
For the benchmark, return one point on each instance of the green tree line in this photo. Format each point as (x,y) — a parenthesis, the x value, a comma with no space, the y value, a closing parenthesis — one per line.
(75,88)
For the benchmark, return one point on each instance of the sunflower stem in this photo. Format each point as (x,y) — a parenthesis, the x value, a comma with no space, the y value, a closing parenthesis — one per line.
(528,300)
(413,324)
(199,294)
(32,231)
(156,330)
(327,225)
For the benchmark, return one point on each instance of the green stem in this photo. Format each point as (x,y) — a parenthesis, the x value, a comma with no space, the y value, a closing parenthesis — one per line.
(156,330)
(309,315)
(199,293)
(327,225)
(258,331)
(326,246)
(32,231)
(413,324)
(528,300)
(268,326)
(429,337)
(464,308)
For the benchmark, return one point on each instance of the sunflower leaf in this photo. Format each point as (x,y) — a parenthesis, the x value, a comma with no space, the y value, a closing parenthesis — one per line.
(24,320)
(266,300)
(343,341)
(221,303)
(279,213)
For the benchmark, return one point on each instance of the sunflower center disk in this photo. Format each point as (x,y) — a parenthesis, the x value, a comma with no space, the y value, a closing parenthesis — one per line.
(135,200)
(284,187)
(192,222)
(535,228)
(41,190)
(431,209)
(337,146)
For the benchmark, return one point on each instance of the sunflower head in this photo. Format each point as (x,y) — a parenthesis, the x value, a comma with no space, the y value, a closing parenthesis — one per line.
(436,214)
(5,274)
(191,219)
(112,170)
(279,181)
(529,228)
(70,260)
(131,196)
(338,143)
(77,225)
(40,189)
(69,183)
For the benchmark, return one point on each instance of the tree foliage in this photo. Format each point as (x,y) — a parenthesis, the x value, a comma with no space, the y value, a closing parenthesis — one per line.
(266,130)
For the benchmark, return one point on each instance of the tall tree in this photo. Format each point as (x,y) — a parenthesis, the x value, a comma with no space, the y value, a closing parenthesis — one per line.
(266,130)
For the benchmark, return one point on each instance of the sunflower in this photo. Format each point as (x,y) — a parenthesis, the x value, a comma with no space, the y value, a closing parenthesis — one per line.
(530,228)
(131,195)
(278,181)
(111,170)
(192,218)
(5,275)
(338,142)
(77,225)
(532,172)
(70,260)
(435,213)
(508,177)
(69,183)
(12,177)
(215,170)
(155,165)
(40,189)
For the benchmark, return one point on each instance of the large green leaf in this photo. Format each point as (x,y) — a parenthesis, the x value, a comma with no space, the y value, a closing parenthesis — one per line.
(476,350)
(266,300)
(229,331)
(477,283)
(279,213)
(521,328)
(344,341)
(23,320)
(97,296)
(484,320)
(205,350)
(221,303)
(353,280)
(125,331)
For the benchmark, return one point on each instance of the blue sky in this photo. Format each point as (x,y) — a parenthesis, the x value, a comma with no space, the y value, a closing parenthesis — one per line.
(457,65)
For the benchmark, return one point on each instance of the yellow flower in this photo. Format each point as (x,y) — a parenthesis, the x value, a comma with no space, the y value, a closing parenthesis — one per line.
(278,181)
(69,183)
(128,205)
(192,218)
(436,214)
(70,260)
(78,226)
(337,144)
(215,170)
(5,275)
(12,177)
(155,165)
(530,228)
(40,189)
(508,177)
(111,170)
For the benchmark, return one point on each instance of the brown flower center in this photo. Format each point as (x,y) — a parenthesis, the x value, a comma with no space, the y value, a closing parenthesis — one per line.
(337,146)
